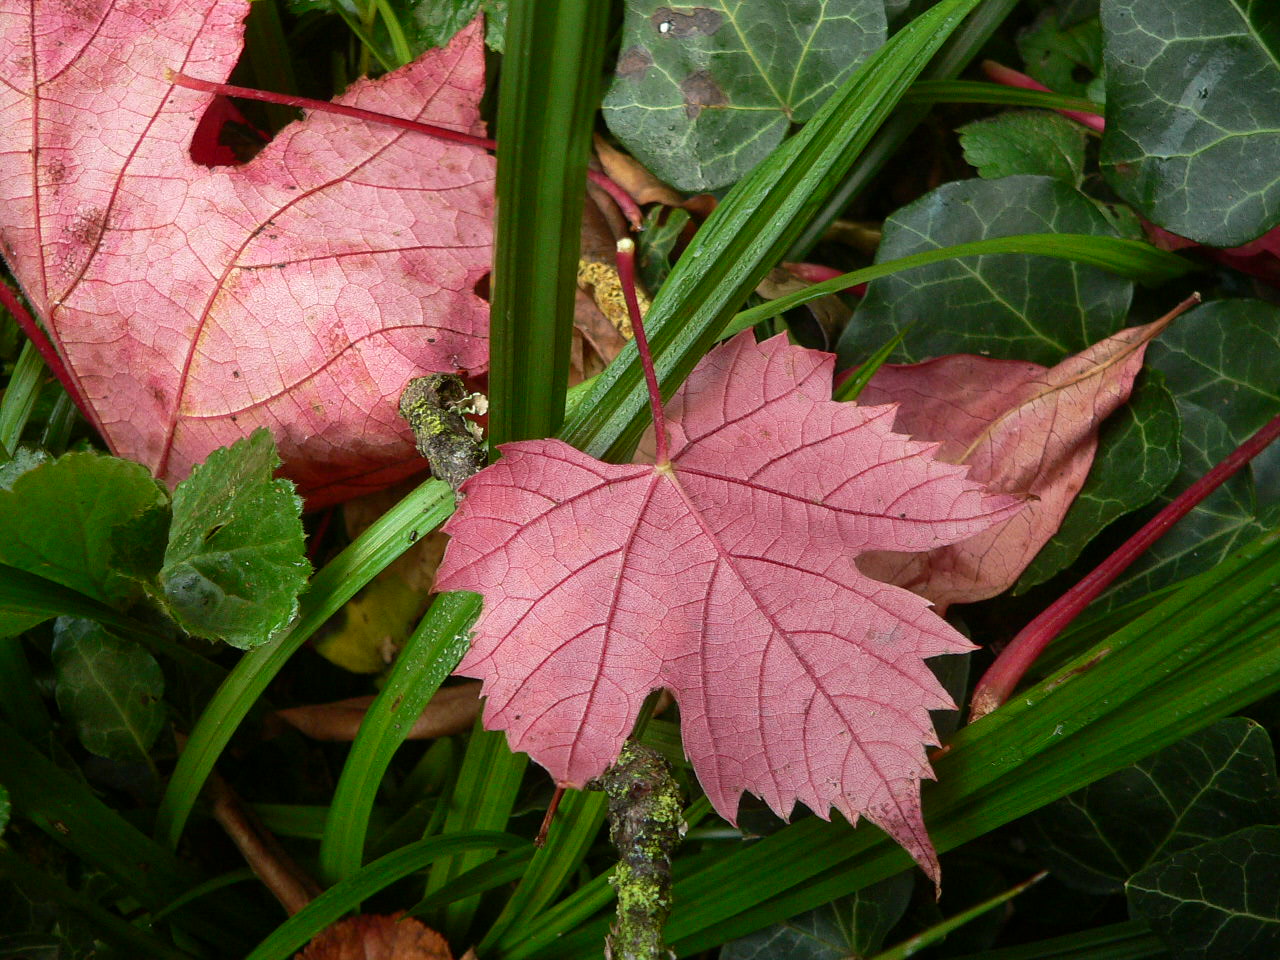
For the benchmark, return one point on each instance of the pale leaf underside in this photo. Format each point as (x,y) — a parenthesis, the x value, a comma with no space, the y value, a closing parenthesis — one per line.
(727,578)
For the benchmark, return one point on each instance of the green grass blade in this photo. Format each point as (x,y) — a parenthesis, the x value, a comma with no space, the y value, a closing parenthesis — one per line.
(327,908)
(483,796)
(1132,940)
(499,871)
(1207,650)
(428,657)
(749,231)
(39,886)
(1128,258)
(577,824)
(975,91)
(549,93)
(963,45)
(852,385)
(416,515)
(67,810)
(20,396)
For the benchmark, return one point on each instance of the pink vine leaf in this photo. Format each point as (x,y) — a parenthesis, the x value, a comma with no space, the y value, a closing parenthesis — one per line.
(299,291)
(725,575)
(1024,430)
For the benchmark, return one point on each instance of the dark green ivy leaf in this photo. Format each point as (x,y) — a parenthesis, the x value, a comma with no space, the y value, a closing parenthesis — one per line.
(846,929)
(705,92)
(59,516)
(235,565)
(1221,361)
(1025,141)
(1010,306)
(1211,784)
(1063,54)
(1193,114)
(1217,901)
(109,689)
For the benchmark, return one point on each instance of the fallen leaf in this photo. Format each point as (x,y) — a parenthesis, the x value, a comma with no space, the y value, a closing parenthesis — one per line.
(452,710)
(299,291)
(1022,429)
(377,937)
(726,577)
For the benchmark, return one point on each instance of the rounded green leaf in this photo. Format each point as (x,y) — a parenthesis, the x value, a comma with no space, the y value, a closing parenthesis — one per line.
(1026,141)
(58,518)
(235,564)
(1217,901)
(704,92)
(1193,114)
(1011,306)
(108,688)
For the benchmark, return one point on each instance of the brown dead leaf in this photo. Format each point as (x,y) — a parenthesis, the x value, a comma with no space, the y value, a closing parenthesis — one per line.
(377,937)
(451,710)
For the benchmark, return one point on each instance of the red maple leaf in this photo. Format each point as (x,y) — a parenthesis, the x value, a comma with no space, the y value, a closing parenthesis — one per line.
(725,574)
(299,292)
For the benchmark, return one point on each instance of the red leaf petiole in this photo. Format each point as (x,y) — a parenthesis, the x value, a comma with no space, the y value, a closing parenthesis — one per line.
(620,196)
(48,352)
(627,275)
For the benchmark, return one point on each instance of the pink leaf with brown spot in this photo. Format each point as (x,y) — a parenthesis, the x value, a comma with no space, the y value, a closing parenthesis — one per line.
(1023,430)
(726,576)
(299,292)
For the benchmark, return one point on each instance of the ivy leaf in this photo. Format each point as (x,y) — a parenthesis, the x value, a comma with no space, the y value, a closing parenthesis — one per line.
(1192,116)
(1024,430)
(725,576)
(235,565)
(1221,361)
(1217,901)
(705,92)
(59,519)
(1025,141)
(299,291)
(1012,306)
(1213,783)
(110,689)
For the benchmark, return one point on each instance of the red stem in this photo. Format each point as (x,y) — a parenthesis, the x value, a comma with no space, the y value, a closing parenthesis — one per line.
(1014,78)
(623,199)
(998,683)
(46,349)
(627,275)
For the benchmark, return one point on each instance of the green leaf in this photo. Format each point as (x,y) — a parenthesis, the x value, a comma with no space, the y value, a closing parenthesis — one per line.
(655,243)
(704,93)
(1221,361)
(1027,141)
(1193,116)
(434,22)
(1217,901)
(110,690)
(234,565)
(1056,54)
(850,927)
(1213,783)
(1013,307)
(1137,458)
(58,519)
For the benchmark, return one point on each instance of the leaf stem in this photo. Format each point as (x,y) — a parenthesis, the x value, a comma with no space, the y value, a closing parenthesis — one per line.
(45,346)
(998,683)
(1014,78)
(627,274)
(628,206)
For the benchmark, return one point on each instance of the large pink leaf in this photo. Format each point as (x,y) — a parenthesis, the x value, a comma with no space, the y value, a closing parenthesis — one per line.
(726,576)
(1022,429)
(298,292)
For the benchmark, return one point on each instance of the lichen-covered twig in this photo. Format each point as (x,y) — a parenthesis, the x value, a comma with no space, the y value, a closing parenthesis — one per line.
(433,406)
(645,824)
